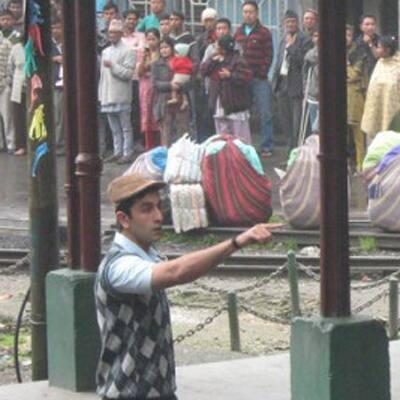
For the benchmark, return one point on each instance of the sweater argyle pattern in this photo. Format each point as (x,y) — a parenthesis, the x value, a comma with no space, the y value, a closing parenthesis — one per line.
(137,357)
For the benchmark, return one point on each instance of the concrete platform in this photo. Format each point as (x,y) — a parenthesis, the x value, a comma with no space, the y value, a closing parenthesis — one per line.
(254,378)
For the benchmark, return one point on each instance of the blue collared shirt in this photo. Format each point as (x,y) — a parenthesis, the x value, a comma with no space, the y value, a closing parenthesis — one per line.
(131,273)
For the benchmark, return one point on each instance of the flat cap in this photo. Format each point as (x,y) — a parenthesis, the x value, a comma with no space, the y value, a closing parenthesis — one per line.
(124,187)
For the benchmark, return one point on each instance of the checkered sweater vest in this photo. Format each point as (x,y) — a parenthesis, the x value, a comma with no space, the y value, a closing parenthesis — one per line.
(137,356)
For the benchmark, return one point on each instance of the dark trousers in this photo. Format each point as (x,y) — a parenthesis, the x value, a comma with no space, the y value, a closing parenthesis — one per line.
(290,109)
(135,110)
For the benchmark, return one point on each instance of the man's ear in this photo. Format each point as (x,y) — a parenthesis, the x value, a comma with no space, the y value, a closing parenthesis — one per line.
(123,219)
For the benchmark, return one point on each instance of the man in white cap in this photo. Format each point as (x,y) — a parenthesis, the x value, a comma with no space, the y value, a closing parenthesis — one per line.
(115,92)
(137,355)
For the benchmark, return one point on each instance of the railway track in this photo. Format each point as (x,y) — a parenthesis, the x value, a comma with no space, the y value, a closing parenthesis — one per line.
(255,264)
(358,229)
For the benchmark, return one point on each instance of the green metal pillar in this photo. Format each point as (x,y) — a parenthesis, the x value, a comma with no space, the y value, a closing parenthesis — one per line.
(43,201)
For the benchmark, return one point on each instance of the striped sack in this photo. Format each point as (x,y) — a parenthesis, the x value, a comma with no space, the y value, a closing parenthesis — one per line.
(384,198)
(299,188)
(236,193)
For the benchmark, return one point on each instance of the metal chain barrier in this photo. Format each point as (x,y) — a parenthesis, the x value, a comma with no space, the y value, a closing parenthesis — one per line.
(375,284)
(357,287)
(308,271)
(269,318)
(199,327)
(249,288)
(371,302)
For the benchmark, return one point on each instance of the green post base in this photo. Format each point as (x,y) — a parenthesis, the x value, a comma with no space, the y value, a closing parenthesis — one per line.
(339,359)
(72,331)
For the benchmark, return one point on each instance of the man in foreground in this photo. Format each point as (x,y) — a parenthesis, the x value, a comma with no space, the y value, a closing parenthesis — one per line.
(137,355)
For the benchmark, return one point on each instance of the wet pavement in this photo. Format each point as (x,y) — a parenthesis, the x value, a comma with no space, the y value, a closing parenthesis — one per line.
(14,188)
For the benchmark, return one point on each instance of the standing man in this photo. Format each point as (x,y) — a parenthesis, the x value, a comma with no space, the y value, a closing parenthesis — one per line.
(310,21)
(115,92)
(367,45)
(137,355)
(57,62)
(16,8)
(136,41)
(165,26)
(8,38)
(256,43)
(288,77)
(110,12)
(157,9)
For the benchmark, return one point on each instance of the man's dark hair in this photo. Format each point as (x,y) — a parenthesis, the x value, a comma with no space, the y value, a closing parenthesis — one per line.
(131,11)
(178,14)
(164,17)
(389,42)
(15,2)
(125,205)
(154,31)
(3,13)
(365,16)
(250,3)
(224,21)
(111,5)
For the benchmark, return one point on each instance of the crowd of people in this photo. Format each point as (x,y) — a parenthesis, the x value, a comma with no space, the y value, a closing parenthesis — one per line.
(157,81)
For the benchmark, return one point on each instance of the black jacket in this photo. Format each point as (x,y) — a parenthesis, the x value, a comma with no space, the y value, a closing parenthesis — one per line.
(295,58)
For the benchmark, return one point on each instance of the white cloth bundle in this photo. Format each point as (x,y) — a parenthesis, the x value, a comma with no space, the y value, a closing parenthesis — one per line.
(188,207)
(184,161)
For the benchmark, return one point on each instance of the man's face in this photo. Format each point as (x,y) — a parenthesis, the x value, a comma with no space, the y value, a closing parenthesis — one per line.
(16,9)
(368,26)
(165,27)
(291,25)
(7,22)
(310,20)
(176,23)
(145,219)
(157,6)
(114,36)
(109,15)
(222,29)
(56,32)
(131,21)
(209,24)
(250,14)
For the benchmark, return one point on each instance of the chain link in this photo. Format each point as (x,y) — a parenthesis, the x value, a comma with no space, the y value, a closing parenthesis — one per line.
(199,327)
(356,287)
(375,284)
(309,272)
(24,261)
(371,302)
(257,285)
(269,318)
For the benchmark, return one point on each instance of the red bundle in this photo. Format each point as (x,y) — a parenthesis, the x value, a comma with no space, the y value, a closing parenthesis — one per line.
(236,193)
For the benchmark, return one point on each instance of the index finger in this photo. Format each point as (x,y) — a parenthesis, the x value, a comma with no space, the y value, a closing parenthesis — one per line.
(273,226)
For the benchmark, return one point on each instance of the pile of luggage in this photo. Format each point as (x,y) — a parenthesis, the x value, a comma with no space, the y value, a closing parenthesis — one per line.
(221,180)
